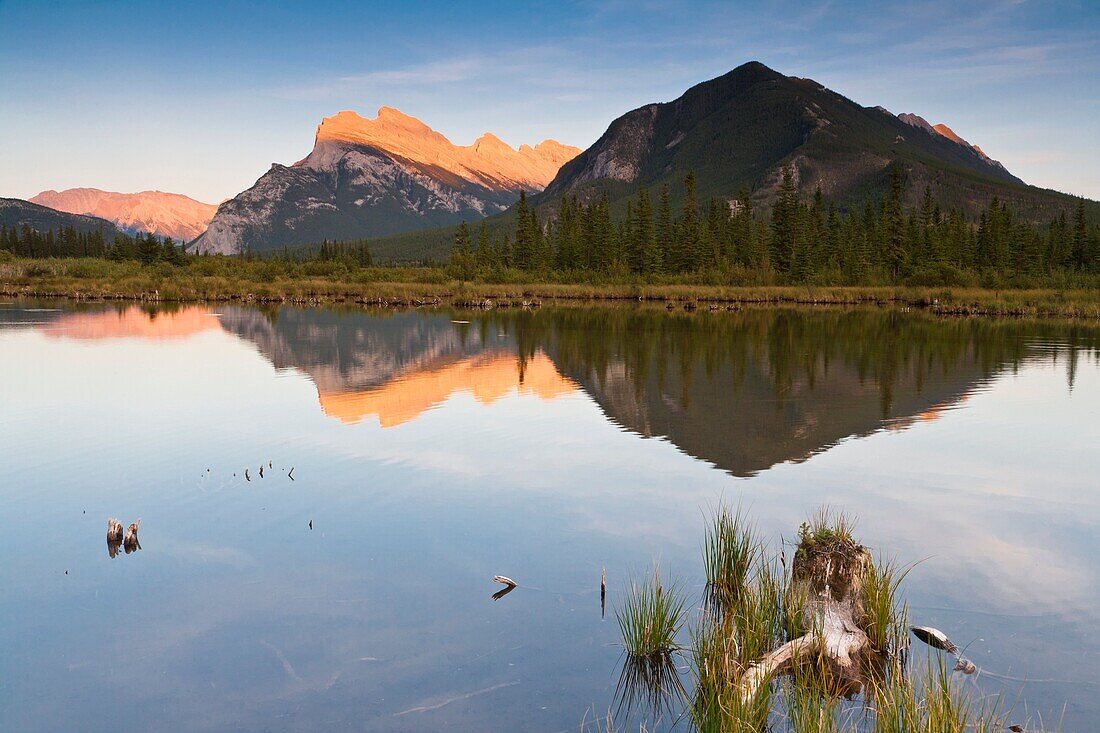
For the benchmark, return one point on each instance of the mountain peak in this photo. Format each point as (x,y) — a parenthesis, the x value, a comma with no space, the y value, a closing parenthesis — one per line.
(166,214)
(943,131)
(489,161)
(948,133)
(370,177)
(489,141)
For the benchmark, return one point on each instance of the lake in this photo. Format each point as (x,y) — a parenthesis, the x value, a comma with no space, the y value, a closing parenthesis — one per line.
(434,449)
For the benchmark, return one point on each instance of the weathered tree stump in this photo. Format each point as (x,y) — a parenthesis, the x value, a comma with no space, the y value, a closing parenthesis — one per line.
(831,576)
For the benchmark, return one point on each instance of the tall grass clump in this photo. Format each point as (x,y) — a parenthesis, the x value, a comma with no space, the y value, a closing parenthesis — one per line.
(729,552)
(650,622)
(926,701)
(810,707)
(885,618)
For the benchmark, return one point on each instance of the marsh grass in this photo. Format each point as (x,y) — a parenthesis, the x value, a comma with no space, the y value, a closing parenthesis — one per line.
(754,606)
(929,701)
(809,704)
(730,550)
(885,617)
(223,278)
(650,621)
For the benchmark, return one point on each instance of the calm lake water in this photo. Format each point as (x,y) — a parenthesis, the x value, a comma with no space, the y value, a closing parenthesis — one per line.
(434,450)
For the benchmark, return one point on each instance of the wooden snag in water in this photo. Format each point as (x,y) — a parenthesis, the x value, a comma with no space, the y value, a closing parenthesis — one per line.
(130,541)
(832,576)
(114,537)
(603,592)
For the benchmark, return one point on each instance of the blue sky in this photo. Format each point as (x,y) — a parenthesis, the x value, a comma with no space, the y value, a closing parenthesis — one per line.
(201,97)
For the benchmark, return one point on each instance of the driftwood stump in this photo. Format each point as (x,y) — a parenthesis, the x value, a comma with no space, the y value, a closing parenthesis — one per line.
(830,576)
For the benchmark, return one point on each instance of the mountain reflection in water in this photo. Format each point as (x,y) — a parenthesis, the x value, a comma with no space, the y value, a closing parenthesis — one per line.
(743,391)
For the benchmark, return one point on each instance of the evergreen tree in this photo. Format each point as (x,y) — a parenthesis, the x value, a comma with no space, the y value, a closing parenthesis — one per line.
(461,254)
(664,231)
(649,251)
(148,248)
(523,251)
(1079,260)
(784,223)
(895,254)
(689,231)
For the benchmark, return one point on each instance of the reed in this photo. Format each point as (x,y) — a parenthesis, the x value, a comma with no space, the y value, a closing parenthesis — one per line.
(650,621)
(729,551)
(885,618)
(927,701)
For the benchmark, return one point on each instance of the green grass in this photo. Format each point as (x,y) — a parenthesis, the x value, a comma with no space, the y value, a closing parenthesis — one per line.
(729,551)
(885,616)
(650,621)
(929,701)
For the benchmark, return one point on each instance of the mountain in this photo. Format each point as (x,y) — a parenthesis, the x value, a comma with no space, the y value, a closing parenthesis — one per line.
(371,177)
(14,213)
(166,214)
(742,128)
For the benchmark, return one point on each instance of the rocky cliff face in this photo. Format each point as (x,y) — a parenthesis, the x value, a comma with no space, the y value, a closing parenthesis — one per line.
(166,214)
(371,177)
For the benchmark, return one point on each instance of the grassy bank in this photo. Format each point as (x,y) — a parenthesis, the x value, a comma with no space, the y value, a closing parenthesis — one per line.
(221,279)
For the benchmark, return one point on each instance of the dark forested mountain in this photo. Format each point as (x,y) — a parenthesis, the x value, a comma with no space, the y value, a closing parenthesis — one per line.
(366,178)
(17,213)
(739,130)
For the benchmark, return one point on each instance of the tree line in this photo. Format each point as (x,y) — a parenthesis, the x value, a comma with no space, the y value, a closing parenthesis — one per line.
(794,241)
(66,241)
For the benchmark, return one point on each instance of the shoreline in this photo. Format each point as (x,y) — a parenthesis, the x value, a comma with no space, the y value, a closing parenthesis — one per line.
(84,280)
(1037,303)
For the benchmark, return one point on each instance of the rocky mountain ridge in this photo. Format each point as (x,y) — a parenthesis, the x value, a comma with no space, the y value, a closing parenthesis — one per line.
(371,177)
(165,214)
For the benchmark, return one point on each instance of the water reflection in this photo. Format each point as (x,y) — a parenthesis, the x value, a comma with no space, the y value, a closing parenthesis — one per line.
(743,391)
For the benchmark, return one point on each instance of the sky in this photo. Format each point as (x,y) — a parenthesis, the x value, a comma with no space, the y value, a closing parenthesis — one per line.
(201,97)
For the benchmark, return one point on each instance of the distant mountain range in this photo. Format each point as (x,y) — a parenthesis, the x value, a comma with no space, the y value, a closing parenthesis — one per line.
(740,130)
(368,178)
(14,213)
(165,214)
(397,181)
